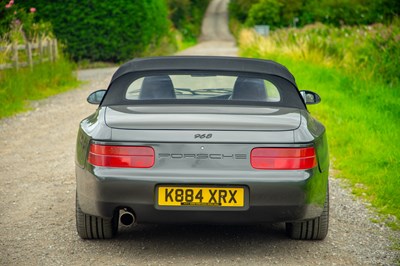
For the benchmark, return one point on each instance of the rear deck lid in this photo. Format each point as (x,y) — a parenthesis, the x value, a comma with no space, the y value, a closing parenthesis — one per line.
(195,117)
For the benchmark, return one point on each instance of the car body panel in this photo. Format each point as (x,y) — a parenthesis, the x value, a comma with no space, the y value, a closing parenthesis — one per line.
(203,118)
(106,189)
(202,144)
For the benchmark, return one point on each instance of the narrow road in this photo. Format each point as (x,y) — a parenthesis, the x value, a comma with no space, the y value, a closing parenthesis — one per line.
(216,38)
(37,206)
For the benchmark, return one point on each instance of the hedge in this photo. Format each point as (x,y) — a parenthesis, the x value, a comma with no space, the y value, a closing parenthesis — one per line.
(103,30)
(284,13)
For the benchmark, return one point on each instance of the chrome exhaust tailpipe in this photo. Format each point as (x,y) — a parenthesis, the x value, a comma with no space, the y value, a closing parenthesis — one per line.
(126,218)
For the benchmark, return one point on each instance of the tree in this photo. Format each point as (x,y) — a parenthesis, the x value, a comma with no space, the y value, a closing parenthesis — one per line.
(105,30)
(265,12)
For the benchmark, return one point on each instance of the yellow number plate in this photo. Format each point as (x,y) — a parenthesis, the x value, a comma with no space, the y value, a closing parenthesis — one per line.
(201,196)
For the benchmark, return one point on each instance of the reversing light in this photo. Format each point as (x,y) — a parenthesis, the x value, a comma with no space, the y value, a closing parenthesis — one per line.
(121,156)
(283,158)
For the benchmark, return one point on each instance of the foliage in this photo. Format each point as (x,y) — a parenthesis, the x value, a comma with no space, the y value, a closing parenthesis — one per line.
(239,9)
(7,16)
(187,15)
(17,24)
(98,30)
(290,12)
(21,29)
(265,12)
(349,12)
(104,31)
(92,30)
(365,50)
(276,13)
(334,12)
(17,87)
(360,110)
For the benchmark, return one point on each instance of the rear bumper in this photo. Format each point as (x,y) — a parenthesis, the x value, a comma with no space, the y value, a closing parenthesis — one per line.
(273,196)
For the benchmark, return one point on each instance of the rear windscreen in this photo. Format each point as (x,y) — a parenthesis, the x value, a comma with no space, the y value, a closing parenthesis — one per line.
(202,87)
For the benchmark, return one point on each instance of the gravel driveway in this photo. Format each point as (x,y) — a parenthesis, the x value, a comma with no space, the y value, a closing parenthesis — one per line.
(37,191)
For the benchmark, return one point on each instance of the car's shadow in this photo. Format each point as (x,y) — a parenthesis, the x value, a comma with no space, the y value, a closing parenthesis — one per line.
(194,240)
(206,244)
(201,231)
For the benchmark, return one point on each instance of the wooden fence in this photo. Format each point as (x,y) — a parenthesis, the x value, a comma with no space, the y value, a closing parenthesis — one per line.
(29,54)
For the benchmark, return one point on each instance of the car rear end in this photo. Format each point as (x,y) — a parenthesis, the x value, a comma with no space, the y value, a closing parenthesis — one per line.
(240,172)
(220,161)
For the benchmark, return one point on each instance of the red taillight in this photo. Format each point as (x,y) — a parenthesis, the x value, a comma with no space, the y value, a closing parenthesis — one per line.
(283,158)
(121,156)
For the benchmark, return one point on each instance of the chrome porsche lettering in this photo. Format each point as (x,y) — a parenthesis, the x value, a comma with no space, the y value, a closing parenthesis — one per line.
(215,156)
(240,156)
(202,156)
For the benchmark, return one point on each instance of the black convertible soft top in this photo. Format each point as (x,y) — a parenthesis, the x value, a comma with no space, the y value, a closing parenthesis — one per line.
(218,63)
(237,66)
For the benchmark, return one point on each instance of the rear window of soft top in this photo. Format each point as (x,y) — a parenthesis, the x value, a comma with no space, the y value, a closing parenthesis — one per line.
(202,87)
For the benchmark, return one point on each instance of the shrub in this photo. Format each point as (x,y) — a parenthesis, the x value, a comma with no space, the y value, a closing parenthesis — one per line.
(14,19)
(266,12)
(366,50)
(349,12)
(239,9)
(103,30)
(7,9)
(334,12)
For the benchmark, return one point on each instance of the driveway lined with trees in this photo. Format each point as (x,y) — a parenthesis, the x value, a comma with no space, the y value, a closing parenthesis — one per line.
(37,191)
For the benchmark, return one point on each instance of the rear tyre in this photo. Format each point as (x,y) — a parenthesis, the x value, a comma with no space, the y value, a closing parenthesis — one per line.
(93,227)
(314,229)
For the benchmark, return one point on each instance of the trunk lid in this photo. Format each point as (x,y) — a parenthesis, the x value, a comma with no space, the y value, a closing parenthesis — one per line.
(195,117)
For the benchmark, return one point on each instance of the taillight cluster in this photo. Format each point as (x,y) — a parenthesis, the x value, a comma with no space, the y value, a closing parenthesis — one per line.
(283,158)
(260,158)
(121,156)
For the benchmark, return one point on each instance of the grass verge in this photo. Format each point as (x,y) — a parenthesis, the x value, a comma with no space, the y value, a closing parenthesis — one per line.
(362,119)
(18,87)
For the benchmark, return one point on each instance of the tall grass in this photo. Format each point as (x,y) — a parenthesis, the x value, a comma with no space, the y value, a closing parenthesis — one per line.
(372,51)
(360,107)
(18,87)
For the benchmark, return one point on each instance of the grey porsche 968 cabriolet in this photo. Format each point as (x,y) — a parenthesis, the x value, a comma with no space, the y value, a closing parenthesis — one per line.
(202,140)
